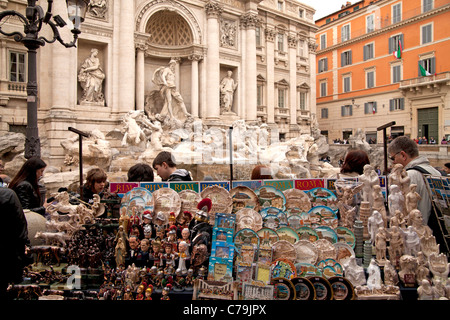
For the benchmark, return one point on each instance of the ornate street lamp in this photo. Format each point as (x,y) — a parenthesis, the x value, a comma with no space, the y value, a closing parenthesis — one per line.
(33,20)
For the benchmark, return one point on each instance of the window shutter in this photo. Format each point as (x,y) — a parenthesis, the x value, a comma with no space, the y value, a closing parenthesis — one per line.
(326,64)
(391,49)
(374,107)
(402,103)
(391,105)
(342,111)
(366,108)
(420,64)
(433,65)
(365,52)
(351,109)
(342,59)
(401,41)
(350,57)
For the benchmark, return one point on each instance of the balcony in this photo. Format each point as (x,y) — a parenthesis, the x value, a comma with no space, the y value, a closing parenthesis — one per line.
(433,82)
(11,89)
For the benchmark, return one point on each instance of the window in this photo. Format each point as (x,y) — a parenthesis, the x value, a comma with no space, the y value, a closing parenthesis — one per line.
(324,113)
(281,98)
(427,5)
(394,41)
(301,48)
(280,5)
(280,42)
(370,79)
(260,95)
(302,101)
(427,33)
(396,71)
(323,89)
(345,33)
(370,25)
(258,36)
(370,107)
(17,67)
(397,104)
(323,65)
(300,13)
(368,52)
(346,81)
(323,41)
(429,65)
(396,13)
(346,110)
(346,58)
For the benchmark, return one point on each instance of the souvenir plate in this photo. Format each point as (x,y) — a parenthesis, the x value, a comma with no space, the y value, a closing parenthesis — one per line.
(324,215)
(311,218)
(325,249)
(267,236)
(325,232)
(307,233)
(337,267)
(324,291)
(283,289)
(220,198)
(136,206)
(323,197)
(269,211)
(307,270)
(139,192)
(294,222)
(345,235)
(166,200)
(246,237)
(288,234)
(244,197)
(285,250)
(304,289)
(189,200)
(342,288)
(248,218)
(306,252)
(343,252)
(296,198)
(283,268)
(270,196)
(329,271)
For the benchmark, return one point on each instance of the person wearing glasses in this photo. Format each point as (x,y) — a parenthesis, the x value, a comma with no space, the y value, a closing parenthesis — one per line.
(405,151)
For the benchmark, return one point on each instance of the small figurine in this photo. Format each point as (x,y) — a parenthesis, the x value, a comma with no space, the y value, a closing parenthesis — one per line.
(143,257)
(184,256)
(165,292)
(412,241)
(354,273)
(390,274)
(407,273)
(133,243)
(374,279)
(380,245)
(396,199)
(373,224)
(412,198)
(425,291)
(140,292)
(369,179)
(148,292)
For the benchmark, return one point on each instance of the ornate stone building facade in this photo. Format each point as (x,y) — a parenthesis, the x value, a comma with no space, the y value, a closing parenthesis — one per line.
(269,47)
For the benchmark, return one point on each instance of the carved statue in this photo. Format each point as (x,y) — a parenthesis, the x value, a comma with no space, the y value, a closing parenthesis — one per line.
(227,88)
(396,200)
(374,278)
(399,177)
(91,77)
(369,178)
(133,133)
(164,77)
(373,224)
(98,8)
(412,198)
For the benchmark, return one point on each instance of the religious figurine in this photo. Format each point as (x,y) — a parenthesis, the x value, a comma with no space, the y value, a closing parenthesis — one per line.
(373,224)
(369,179)
(91,77)
(120,252)
(374,276)
(227,88)
(184,256)
(164,77)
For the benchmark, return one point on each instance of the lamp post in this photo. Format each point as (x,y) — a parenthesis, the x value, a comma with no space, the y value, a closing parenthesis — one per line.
(32,21)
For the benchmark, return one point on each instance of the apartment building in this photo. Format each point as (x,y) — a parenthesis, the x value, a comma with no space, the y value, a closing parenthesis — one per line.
(383,61)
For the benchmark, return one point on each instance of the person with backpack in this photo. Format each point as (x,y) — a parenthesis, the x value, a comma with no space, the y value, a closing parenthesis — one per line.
(403,150)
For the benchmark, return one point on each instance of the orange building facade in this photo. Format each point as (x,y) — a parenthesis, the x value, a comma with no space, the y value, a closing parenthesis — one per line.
(383,61)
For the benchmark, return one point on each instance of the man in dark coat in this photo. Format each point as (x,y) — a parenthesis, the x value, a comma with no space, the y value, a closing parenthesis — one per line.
(13,240)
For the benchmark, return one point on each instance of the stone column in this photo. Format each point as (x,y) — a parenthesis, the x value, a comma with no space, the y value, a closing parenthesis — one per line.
(270,89)
(213,11)
(292,43)
(127,60)
(140,76)
(249,21)
(194,84)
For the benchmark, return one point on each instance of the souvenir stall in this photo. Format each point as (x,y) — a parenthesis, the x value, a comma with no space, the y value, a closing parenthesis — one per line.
(302,239)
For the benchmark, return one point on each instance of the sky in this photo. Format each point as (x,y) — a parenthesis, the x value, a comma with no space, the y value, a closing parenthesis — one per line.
(324,7)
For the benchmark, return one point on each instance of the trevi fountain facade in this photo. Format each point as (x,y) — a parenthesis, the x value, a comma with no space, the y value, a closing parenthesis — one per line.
(198,78)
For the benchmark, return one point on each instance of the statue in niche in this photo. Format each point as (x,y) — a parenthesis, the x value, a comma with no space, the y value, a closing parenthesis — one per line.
(98,8)
(164,77)
(91,78)
(227,88)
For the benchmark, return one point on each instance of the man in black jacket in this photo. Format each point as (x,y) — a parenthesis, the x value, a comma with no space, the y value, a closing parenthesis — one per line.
(166,168)
(13,240)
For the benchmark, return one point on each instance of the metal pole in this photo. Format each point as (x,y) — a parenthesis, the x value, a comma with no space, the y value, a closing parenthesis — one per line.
(81,134)
(231,157)
(384,127)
